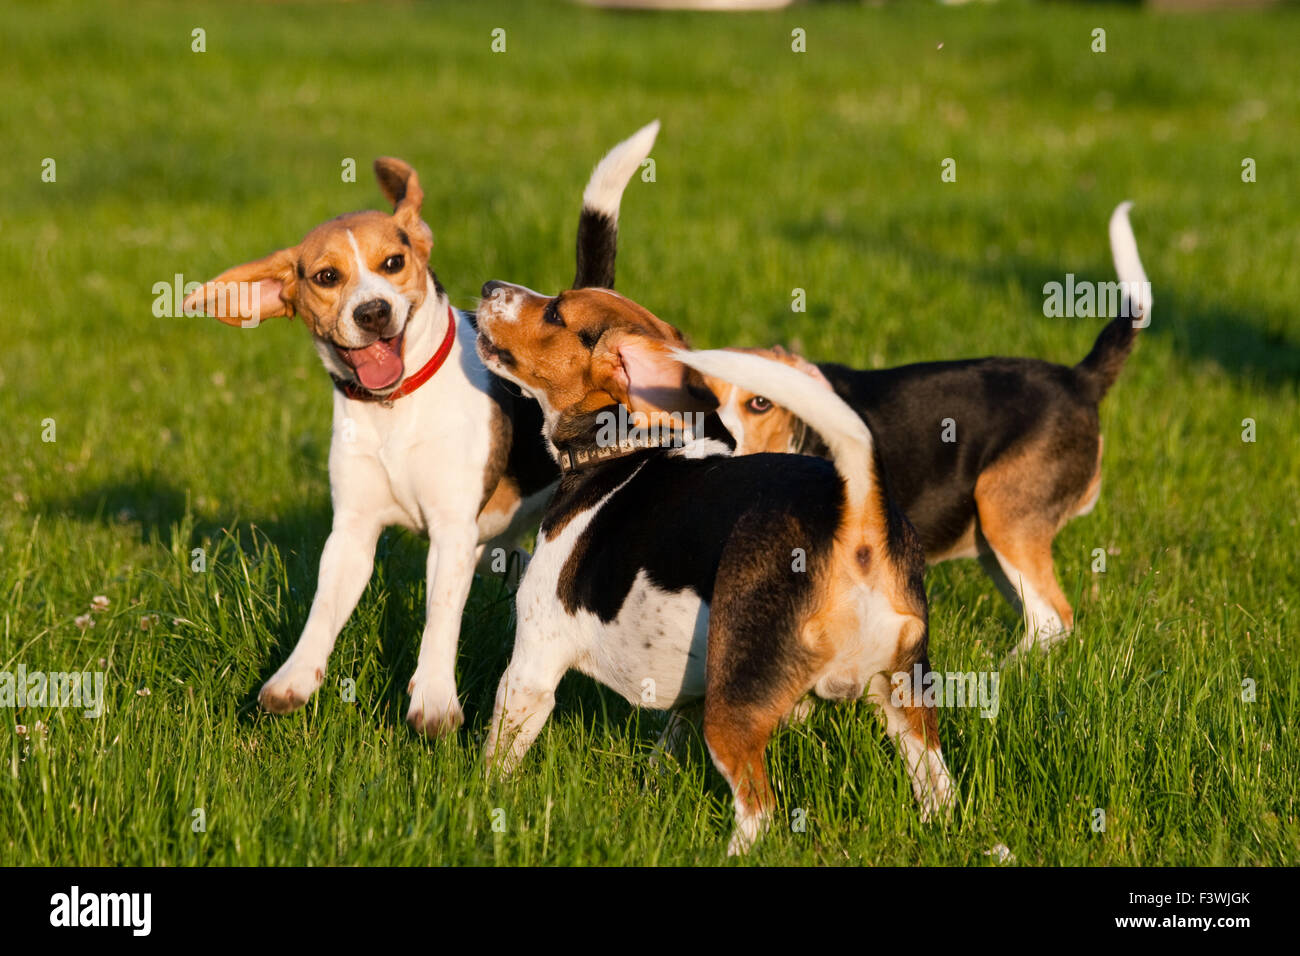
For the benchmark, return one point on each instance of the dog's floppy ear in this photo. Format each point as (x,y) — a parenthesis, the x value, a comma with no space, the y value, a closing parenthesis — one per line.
(401,185)
(639,371)
(246,294)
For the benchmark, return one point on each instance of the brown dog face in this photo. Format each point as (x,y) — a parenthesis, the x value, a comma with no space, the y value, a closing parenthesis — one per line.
(584,350)
(356,281)
(754,422)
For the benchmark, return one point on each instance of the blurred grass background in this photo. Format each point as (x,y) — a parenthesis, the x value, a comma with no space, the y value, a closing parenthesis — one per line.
(774,171)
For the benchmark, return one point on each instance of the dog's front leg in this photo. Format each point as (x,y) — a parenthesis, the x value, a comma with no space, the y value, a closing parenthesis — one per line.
(525,699)
(435,709)
(345,567)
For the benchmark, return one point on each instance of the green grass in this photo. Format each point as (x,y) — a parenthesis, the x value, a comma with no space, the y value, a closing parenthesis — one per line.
(774,171)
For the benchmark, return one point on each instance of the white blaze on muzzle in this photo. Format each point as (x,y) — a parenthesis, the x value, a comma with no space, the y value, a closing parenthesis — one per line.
(378,365)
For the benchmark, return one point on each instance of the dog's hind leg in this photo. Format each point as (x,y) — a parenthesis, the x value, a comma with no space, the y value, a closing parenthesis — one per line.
(755,677)
(503,556)
(1020,510)
(737,734)
(1023,570)
(915,728)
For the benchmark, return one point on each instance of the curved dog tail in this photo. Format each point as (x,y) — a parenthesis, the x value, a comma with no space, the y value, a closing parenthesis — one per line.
(598,222)
(1103,364)
(846,435)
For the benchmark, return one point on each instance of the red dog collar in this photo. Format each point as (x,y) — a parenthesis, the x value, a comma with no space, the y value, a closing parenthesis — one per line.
(409,384)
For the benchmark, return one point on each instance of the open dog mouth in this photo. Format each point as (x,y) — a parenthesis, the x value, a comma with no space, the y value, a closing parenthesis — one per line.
(379,364)
(490,353)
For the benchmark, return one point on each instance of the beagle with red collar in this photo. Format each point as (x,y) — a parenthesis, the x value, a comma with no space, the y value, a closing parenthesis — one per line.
(672,572)
(988,458)
(424,436)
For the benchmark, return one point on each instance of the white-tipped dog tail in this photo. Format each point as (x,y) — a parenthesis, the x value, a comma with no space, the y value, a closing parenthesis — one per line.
(598,222)
(1128,264)
(1101,367)
(845,433)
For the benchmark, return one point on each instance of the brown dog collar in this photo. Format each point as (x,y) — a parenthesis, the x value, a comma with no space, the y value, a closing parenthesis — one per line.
(579,459)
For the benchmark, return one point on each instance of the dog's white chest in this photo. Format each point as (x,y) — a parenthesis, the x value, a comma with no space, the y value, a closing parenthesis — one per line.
(416,463)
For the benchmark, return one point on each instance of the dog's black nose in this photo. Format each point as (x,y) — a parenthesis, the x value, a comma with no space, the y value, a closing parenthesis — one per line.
(372,315)
(491,287)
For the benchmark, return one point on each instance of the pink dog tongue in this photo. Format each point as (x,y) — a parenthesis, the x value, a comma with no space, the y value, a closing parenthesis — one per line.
(377,365)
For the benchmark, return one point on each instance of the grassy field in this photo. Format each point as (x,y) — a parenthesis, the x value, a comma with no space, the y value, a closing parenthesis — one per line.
(774,171)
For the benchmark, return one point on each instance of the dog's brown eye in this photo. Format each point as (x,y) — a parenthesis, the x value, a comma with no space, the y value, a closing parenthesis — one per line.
(758,405)
(552,315)
(326,277)
(394,263)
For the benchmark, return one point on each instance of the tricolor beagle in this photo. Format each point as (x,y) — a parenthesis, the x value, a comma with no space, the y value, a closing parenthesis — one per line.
(671,572)
(424,436)
(988,458)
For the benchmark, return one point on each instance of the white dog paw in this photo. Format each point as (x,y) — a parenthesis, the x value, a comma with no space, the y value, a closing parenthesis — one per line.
(749,827)
(934,789)
(290,687)
(434,711)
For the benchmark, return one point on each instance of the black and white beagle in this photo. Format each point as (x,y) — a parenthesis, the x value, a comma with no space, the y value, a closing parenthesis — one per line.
(672,572)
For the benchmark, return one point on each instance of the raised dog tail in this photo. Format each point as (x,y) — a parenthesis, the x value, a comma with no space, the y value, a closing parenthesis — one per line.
(846,435)
(1103,364)
(598,222)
